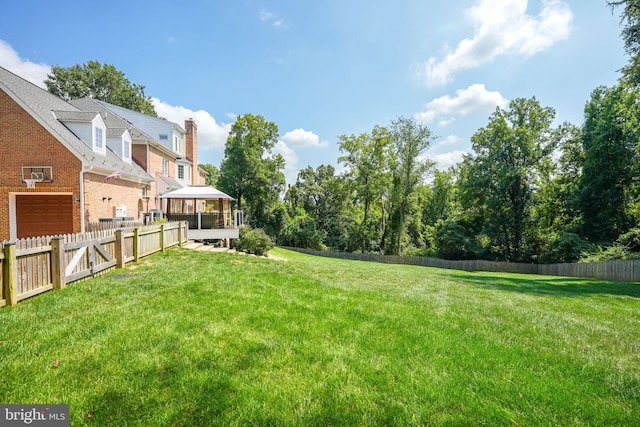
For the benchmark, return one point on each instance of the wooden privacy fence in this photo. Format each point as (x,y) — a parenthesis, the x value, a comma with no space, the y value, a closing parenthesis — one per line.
(30,267)
(626,271)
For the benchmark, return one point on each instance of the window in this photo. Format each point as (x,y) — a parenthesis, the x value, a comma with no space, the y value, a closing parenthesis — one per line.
(164,137)
(126,150)
(99,139)
(180,171)
(165,167)
(176,144)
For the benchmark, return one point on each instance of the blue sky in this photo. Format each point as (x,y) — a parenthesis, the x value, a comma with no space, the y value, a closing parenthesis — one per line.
(324,68)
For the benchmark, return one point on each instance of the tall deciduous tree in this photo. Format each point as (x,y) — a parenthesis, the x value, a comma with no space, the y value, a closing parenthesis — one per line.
(249,172)
(611,132)
(510,152)
(367,161)
(102,82)
(631,37)
(409,165)
(213,173)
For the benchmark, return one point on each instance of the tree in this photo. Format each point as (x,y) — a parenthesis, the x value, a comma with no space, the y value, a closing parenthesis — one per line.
(611,132)
(631,36)
(367,161)
(213,173)
(248,172)
(102,82)
(409,141)
(324,197)
(510,152)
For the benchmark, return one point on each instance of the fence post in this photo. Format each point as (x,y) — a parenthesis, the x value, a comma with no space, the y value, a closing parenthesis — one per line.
(180,234)
(9,274)
(58,274)
(119,252)
(162,237)
(136,245)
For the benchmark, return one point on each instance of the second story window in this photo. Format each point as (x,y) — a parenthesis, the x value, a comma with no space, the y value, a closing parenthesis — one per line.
(99,138)
(165,167)
(180,171)
(126,150)
(176,144)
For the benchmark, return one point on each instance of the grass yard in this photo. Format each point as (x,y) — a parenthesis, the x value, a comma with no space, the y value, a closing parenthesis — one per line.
(190,338)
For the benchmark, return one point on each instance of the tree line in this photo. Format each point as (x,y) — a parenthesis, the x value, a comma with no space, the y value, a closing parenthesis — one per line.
(529,191)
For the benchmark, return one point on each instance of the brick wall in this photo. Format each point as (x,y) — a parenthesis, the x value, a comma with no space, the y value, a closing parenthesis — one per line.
(24,142)
(191,148)
(100,197)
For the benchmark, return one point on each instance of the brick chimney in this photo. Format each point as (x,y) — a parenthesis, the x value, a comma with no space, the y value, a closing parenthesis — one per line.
(191,148)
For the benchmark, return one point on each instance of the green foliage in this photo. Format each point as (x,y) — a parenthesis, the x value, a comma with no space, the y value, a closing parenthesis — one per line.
(565,247)
(409,166)
(631,36)
(102,82)
(453,241)
(253,241)
(367,159)
(631,239)
(248,172)
(616,252)
(511,154)
(610,134)
(301,232)
(213,173)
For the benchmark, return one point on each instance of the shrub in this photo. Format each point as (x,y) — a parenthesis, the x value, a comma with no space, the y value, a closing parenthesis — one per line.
(454,242)
(566,247)
(253,241)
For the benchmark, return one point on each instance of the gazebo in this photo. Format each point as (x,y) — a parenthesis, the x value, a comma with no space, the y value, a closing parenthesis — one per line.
(206,209)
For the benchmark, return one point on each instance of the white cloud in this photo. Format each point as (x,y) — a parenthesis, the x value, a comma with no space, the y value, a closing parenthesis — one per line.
(303,138)
(270,18)
(475,99)
(446,160)
(211,134)
(449,140)
(291,160)
(35,73)
(502,27)
(265,16)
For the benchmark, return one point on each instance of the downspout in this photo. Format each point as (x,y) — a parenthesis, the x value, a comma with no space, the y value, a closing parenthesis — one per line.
(82,171)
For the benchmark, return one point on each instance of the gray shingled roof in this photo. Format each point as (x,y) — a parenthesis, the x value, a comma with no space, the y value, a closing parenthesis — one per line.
(112,119)
(74,116)
(44,107)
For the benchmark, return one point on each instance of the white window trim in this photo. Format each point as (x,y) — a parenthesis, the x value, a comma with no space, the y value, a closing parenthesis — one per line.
(103,132)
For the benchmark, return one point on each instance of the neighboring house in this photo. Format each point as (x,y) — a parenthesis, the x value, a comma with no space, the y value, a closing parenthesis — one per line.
(85,168)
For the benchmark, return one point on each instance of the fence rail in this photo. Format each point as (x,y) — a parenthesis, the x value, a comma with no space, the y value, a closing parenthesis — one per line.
(625,271)
(29,267)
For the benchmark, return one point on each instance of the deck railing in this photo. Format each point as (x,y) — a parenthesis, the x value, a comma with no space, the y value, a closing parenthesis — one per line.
(209,220)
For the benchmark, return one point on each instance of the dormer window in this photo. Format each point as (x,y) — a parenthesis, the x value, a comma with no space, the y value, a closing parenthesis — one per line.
(126,150)
(176,144)
(99,139)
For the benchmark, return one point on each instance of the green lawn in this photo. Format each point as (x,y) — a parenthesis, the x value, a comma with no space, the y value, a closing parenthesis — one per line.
(198,338)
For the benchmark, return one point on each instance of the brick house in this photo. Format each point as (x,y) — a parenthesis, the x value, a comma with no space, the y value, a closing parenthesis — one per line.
(89,163)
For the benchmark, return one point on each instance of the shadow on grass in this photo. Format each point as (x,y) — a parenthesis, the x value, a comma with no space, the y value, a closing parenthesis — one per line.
(549,286)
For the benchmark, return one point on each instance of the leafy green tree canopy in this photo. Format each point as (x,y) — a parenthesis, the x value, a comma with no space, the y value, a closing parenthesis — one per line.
(631,37)
(102,82)
(248,172)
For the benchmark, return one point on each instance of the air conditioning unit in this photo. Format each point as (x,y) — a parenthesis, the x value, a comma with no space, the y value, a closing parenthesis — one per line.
(120,211)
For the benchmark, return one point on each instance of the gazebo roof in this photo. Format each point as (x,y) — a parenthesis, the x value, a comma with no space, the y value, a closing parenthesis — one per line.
(198,192)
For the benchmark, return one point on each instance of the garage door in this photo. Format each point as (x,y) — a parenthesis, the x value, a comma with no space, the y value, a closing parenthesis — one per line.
(43,215)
